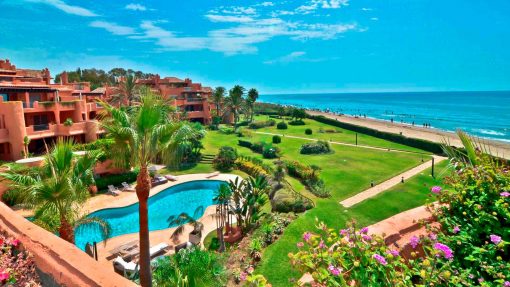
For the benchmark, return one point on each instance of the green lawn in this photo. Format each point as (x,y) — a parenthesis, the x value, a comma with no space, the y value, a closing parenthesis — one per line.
(342,135)
(346,171)
(413,193)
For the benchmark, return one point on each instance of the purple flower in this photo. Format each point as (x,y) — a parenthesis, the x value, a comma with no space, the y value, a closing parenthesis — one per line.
(433,236)
(366,237)
(506,284)
(414,241)
(436,189)
(495,239)
(334,270)
(505,194)
(456,229)
(300,244)
(307,236)
(343,232)
(393,252)
(380,259)
(322,245)
(243,276)
(447,252)
(364,230)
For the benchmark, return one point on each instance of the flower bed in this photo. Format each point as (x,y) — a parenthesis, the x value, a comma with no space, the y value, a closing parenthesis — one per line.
(17,267)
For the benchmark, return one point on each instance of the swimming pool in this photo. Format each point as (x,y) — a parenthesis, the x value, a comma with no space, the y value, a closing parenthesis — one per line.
(184,197)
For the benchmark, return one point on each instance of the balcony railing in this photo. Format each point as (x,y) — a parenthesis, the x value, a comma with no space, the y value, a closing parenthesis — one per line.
(41,127)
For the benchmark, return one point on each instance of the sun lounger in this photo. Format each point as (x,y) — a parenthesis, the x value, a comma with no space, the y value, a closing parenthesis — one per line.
(171,177)
(158,249)
(127,187)
(124,267)
(113,191)
(184,245)
(216,173)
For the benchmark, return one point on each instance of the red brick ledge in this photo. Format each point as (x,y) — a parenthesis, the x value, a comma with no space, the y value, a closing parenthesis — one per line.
(61,260)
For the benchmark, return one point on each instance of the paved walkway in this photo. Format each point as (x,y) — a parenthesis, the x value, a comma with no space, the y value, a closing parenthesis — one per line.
(340,143)
(373,191)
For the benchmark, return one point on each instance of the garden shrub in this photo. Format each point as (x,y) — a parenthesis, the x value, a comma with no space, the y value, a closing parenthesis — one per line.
(17,266)
(297,123)
(253,167)
(277,139)
(245,144)
(225,159)
(262,124)
(318,147)
(308,131)
(258,147)
(309,176)
(285,200)
(68,122)
(116,179)
(270,152)
(281,126)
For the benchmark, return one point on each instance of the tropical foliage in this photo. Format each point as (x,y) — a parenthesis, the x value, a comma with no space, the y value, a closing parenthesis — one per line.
(318,147)
(57,190)
(190,268)
(235,102)
(248,198)
(225,159)
(144,134)
(253,95)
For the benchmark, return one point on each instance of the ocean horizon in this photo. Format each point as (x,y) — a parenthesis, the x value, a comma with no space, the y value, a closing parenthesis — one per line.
(484,114)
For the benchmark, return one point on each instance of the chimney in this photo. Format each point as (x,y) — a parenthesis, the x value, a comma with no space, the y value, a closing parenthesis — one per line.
(64,80)
(46,75)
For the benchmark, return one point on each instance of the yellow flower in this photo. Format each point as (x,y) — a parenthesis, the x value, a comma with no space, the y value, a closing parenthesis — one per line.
(423,273)
(426,262)
(464,213)
(447,274)
(356,263)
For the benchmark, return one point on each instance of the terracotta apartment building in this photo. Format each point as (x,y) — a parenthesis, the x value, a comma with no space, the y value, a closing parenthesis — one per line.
(188,96)
(31,106)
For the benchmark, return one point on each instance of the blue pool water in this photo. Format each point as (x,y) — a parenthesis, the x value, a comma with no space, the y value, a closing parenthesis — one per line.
(484,114)
(184,197)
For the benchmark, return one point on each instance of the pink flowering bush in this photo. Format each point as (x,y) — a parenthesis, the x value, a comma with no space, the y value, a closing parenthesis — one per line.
(475,220)
(352,258)
(17,268)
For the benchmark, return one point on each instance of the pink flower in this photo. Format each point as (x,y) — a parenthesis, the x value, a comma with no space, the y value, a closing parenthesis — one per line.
(456,229)
(364,230)
(393,252)
(436,189)
(343,232)
(334,270)
(322,245)
(300,244)
(307,236)
(506,284)
(505,194)
(15,242)
(4,276)
(414,241)
(366,237)
(380,259)
(495,239)
(243,276)
(447,252)
(250,270)
(433,236)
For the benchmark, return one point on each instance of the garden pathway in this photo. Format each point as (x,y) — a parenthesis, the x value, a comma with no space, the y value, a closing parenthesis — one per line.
(341,143)
(373,191)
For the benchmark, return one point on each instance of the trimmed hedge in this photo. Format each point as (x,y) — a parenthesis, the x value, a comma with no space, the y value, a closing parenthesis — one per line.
(281,126)
(245,144)
(261,124)
(277,139)
(318,147)
(308,131)
(297,123)
(116,179)
(426,145)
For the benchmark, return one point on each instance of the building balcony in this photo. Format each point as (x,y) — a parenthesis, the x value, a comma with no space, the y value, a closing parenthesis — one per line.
(36,107)
(92,107)
(74,129)
(196,114)
(52,130)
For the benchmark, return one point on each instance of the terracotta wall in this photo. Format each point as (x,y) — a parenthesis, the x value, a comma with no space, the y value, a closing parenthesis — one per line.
(58,260)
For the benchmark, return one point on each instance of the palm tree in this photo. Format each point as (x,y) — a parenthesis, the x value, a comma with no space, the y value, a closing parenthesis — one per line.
(235,102)
(26,142)
(127,91)
(253,95)
(142,134)
(57,190)
(182,219)
(248,198)
(217,99)
(222,199)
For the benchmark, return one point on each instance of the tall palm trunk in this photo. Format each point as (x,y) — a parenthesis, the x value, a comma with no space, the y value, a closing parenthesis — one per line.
(143,187)
(66,230)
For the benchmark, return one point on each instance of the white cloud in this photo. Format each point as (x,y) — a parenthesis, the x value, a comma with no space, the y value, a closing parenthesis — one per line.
(287,58)
(366,9)
(228,18)
(113,28)
(374,19)
(69,9)
(239,10)
(313,5)
(266,4)
(135,7)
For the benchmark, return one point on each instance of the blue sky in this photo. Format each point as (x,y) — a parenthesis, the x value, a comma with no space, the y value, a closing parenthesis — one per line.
(276,46)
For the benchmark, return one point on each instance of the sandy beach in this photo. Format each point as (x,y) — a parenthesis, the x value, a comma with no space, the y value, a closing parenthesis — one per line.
(497,148)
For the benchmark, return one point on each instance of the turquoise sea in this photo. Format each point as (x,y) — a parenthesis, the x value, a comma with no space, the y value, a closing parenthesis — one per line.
(483,114)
